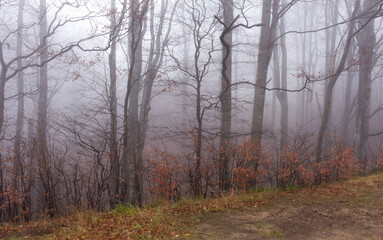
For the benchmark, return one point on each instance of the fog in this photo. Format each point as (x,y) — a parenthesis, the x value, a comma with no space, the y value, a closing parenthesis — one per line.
(115,102)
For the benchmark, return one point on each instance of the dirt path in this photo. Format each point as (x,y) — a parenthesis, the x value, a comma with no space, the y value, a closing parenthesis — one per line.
(296,222)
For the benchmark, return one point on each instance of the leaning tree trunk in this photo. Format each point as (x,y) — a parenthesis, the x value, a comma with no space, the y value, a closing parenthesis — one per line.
(155,60)
(154,63)
(331,83)
(264,57)
(347,103)
(330,64)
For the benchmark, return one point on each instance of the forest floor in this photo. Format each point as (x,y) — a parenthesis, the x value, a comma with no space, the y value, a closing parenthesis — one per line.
(349,209)
(296,221)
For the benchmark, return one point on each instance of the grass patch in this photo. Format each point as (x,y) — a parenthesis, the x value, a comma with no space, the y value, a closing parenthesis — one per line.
(273,233)
(268,230)
(126,210)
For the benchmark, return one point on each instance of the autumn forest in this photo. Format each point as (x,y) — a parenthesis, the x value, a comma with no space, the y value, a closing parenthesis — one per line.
(104,103)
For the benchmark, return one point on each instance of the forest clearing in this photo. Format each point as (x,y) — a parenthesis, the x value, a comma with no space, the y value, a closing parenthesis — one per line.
(349,209)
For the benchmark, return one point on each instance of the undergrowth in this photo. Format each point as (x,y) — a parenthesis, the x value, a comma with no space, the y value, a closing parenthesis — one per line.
(163,220)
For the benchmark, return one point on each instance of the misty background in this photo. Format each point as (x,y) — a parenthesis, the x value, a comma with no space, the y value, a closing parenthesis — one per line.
(103,103)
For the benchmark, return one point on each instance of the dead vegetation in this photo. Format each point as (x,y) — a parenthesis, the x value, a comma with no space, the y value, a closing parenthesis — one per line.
(348,209)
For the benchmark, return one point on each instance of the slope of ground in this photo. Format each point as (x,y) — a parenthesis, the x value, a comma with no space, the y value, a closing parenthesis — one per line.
(316,221)
(346,210)
(351,209)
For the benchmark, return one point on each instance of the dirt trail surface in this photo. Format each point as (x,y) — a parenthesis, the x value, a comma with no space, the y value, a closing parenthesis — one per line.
(288,221)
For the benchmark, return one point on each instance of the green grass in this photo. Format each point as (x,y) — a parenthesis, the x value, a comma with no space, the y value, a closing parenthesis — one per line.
(273,233)
(126,210)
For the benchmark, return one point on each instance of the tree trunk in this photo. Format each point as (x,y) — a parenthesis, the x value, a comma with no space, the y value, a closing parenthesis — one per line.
(114,160)
(347,103)
(185,62)
(281,82)
(20,104)
(303,100)
(330,86)
(197,191)
(333,14)
(132,167)
(225,97)
(283,94)
(3,79)
(45,188)
(264,56)
(366,41)
(280,78)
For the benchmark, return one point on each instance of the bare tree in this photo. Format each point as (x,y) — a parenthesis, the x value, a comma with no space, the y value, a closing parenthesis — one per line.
(269,21)
(130,167)
(331,83)
(366,42)
(113,145)
(18,165)
(348,106)
(136,111)
(45,187)
(280,82)
(229,24)
(225,97)
(202,28)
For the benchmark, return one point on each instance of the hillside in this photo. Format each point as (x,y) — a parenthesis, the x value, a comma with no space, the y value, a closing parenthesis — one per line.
(350,209)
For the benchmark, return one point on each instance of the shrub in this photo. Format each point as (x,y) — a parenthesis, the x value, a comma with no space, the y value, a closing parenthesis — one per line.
(341,165)
(294,170)
(248,168)
(163,175)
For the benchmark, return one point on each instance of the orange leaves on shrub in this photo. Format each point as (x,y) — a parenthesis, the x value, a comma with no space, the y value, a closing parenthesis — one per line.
(163,174)
(242,176)
(342,164)
(10,196)
(248,167)
(293,170)
(379,161)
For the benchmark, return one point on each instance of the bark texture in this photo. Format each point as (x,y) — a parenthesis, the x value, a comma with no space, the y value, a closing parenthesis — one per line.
(225,97)
(366,42)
